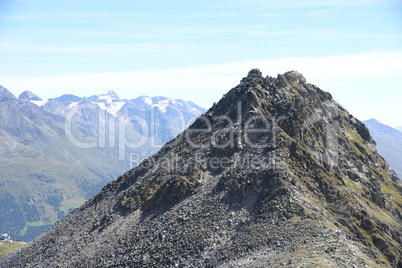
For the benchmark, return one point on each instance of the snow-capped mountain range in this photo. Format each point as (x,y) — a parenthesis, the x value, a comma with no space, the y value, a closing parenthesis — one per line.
(57,153)
(113,104)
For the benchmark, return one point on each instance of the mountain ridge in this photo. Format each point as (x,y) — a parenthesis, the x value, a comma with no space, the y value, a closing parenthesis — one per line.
(58,153)
(315,192)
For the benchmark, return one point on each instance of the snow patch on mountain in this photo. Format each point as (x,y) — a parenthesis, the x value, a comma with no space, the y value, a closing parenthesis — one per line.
(40,103)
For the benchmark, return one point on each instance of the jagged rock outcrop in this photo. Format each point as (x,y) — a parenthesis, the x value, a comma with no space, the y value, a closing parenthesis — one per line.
(276,174)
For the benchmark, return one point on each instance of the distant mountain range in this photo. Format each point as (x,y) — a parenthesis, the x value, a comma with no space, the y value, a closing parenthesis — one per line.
(57,153)
(389,143)
(399,128)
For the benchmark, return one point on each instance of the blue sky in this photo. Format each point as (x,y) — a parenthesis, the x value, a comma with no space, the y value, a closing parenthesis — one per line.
(198,50)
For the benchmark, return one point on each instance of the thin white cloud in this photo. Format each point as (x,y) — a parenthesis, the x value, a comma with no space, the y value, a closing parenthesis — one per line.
(74,48)
(376,75)
(112,16)
(376,64)
(318,3)
(321,11)
(155,15)
(82,32)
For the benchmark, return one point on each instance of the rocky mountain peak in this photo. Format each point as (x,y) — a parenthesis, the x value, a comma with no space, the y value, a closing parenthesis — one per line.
(275,174)
(110,93)
(254,76)
(6,95)
(372,121)
(28,95)
(254,73)
(109,97)
(67,98)
(294,76)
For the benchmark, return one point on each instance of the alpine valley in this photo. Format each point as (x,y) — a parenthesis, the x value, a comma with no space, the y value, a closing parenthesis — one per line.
(56,154)
(276,174)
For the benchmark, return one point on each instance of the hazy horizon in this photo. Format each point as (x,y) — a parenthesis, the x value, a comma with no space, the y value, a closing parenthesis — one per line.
(199,50)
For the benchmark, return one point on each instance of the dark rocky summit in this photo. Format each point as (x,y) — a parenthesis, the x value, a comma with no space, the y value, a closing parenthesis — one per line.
(276,174)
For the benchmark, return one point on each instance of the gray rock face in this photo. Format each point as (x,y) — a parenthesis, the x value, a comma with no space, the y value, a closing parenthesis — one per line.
(273,175)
